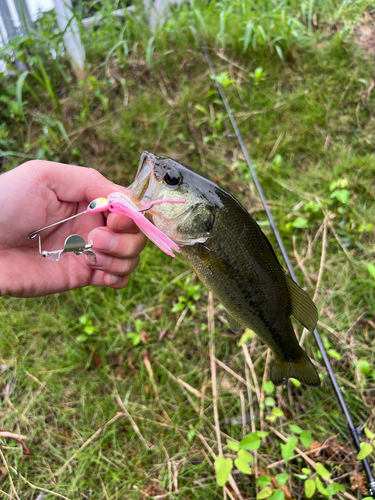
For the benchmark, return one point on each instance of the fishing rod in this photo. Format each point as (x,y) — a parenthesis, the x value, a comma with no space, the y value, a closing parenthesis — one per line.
(353,430)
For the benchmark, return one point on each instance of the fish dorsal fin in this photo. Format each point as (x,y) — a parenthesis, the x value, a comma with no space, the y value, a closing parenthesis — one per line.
(235,325)
(303,308)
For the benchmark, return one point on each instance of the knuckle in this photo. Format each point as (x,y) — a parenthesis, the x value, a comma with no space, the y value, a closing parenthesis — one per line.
(94,174)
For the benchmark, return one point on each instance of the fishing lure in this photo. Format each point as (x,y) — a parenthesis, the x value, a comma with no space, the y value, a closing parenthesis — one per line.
(118,203)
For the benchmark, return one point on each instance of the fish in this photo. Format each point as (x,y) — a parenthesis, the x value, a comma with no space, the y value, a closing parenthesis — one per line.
(232,257)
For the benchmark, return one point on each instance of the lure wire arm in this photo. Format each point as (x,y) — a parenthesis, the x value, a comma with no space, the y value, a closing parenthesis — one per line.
(34,233)
(340,397)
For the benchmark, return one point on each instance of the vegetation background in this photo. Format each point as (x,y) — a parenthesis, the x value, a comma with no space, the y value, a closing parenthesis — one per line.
(133,394)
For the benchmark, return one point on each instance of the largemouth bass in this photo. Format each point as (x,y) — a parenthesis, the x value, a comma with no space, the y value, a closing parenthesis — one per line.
(232,257)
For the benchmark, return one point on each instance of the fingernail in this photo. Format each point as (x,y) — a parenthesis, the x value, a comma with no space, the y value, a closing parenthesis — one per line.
(113,279)
(103,240)
(101,261)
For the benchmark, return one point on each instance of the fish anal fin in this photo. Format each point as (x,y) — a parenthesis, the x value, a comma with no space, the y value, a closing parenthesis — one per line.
(235,325)
(303,308)
(302,369)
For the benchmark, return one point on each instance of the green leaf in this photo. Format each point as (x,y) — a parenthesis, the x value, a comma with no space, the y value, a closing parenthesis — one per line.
(264,493)
(191,435)
(242,462)
(319,485)
(259,73)
(295,382)
(366,449)
(233,445)
(223,79)
(277,412)
(89,329)
(371,269)
(300,223)
(364,366)
(223,468)
(310,488)
(268,387)
(322,471)
(178,307)
(306,438)
(305,470)
(138,325)
(242,466)
(334,354)
(277,495)
(287,449)
(262,434)
(248,335)
(135,338)
(263,481)
(81,338)
(245,455)
(282,478)
(341,195)
(269,401)
(295,428)
(201,109)
(335,488)
(300,476)
(276,162)
(250,442)
(368,433)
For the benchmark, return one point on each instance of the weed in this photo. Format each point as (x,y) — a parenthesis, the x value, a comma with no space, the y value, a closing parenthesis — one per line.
(301,92)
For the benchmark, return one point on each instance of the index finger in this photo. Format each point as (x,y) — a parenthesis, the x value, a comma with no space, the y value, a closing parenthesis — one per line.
(121,223)
(72,183)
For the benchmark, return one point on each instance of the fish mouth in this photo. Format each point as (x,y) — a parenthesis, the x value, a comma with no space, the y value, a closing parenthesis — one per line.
(147,185)
(145,182)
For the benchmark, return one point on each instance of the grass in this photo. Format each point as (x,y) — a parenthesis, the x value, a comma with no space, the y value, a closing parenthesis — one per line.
(308,123)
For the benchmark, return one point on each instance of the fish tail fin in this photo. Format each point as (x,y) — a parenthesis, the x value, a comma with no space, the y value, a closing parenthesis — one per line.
(302,369)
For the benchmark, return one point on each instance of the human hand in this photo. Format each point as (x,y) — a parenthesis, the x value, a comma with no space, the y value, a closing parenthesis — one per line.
(39,193)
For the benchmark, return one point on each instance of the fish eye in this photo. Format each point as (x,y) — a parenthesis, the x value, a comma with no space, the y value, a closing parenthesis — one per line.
(92,205)
(172,178)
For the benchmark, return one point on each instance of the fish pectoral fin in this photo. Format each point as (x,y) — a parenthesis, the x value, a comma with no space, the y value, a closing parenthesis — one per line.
(235,325)
(211,260)
(302,369)
(303,308)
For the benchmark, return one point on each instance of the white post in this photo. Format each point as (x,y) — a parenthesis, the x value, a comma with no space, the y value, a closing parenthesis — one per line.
(72,41)
(158,10)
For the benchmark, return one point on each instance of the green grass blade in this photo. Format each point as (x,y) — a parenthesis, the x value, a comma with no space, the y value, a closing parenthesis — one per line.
(20,82)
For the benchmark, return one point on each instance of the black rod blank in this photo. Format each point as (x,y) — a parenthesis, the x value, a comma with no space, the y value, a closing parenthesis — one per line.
(340,397)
